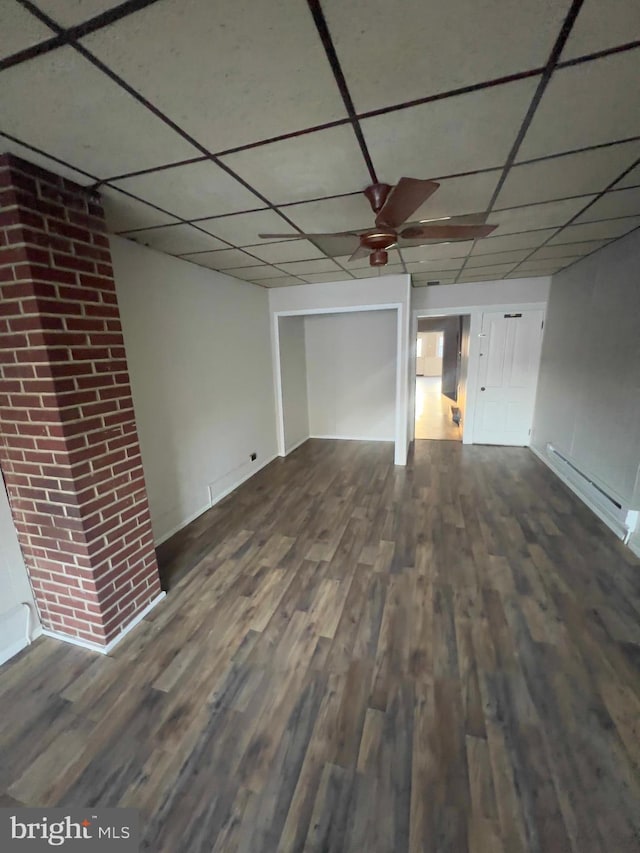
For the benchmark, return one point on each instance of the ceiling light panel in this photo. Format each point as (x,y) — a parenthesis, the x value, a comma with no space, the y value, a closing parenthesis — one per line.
(328,162)
(602,24)
(459,134)
(586,104)
(583,173)
(443,46)
(76,113)
(229,73)
(177,239)
(192,191)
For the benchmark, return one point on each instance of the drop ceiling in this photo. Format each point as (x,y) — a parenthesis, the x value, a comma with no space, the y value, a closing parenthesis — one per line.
(205,124)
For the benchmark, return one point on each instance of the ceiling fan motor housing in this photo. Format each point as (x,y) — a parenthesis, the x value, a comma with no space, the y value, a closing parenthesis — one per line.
(378,258)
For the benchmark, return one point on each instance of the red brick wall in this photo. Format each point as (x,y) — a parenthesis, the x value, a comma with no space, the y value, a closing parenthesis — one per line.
(69,447)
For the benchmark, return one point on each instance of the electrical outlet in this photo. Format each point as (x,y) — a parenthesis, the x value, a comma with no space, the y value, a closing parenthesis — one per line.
(254,456)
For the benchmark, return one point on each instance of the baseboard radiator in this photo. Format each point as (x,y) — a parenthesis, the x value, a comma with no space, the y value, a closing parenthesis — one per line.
(620,518)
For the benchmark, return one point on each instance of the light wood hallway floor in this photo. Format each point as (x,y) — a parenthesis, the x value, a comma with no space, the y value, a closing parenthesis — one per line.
(357,657)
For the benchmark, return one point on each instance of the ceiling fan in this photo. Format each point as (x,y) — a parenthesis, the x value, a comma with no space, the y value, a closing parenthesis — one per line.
(393,205)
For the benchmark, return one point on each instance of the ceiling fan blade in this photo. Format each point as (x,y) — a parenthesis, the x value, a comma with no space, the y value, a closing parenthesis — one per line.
(403,200)
(360,252)
(445,232)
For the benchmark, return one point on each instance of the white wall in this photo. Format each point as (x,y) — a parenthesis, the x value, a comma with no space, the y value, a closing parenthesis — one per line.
(14,587)
(199,355)
(293,367)
(351,374)
(588,402)
(357,294)
(513,291)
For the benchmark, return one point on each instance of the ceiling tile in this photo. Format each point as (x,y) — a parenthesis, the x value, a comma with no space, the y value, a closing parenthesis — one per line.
(242,229)
(333,214)
(568,250)
(602,24)
(191,191)
(546,215)
(632,179)
(481,275)
(229,77)
(95,126)
(497,258)
(511,242)
(176,239)
(393,54)
(223,259)
(596,230)
(20,29)
(613,205)
(436,251)
(517,274)
(599,98)
(71,12)
(325,163)
(435,275)
(319,277)
(440,264)
(569,175)
(309,267)
(124,213)
(458,196)
(256,272)
(289,250)
(458,134)
(494,269)
(8,146)
(546,266)
(282,281)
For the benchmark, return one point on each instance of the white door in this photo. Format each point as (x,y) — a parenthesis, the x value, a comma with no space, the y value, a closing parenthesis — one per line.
(509,358)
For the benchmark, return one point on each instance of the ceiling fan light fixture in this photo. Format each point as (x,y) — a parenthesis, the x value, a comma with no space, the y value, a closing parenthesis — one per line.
(378,258)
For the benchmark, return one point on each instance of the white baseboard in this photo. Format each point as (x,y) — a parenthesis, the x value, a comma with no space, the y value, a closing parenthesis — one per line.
(296,445)
(353,438)
(635,547)
(15,648)
(96,647)
(214,500)
(613,524)
(181,524)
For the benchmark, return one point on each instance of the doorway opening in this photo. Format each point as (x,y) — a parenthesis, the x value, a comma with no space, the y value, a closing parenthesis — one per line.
(442,363)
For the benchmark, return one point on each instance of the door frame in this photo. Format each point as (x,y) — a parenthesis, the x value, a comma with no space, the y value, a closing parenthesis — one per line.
(402,427)
(475,313)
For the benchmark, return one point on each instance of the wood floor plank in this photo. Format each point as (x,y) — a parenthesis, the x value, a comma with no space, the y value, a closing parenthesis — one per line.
(358,657)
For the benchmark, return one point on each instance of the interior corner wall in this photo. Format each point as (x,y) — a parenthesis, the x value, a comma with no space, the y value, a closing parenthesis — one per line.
(199,353)
(351,374)
(588,401)
(15,588)
(293,376)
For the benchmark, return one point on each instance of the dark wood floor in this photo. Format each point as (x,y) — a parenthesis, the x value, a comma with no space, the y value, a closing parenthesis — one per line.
(357,657)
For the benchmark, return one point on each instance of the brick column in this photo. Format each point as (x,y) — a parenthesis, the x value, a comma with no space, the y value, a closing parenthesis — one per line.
(69,448)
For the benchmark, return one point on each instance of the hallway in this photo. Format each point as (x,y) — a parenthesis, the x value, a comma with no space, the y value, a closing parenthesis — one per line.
(433,411)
